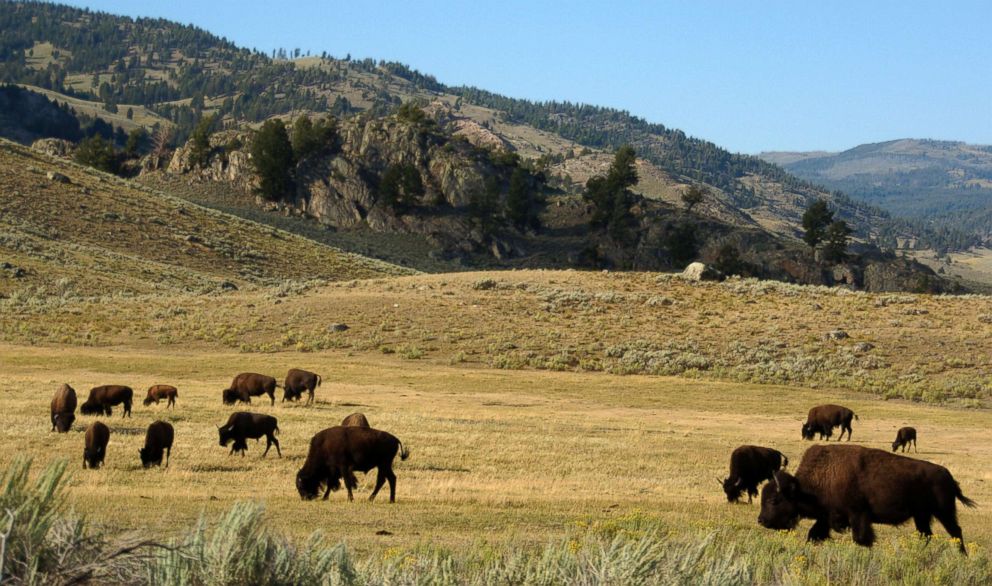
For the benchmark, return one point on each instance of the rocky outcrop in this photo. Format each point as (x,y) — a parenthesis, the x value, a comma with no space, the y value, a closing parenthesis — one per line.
(55,147)
(228,162)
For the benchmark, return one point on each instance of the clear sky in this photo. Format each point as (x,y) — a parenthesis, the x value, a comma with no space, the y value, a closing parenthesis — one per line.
(749,76)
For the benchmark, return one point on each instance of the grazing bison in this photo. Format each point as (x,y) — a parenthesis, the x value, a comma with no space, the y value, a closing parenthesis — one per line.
(249,384)
(243,425)
(298,381)
(158,439)
(904,436)
(824,418)
(339,452)
(851,486)
(355,420)
(63,409)
(95,450)
(101,400)
(158,392)
(749,467)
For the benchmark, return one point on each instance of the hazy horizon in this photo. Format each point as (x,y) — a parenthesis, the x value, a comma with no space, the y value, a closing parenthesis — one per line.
(781,77)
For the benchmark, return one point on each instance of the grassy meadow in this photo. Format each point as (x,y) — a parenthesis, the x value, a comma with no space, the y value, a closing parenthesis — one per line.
(502,460)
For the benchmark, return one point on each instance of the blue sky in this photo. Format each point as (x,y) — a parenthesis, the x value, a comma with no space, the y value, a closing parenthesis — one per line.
(749,76)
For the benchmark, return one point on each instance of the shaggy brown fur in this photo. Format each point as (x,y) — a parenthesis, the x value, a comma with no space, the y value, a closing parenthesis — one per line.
(749,467)
(298,381)
(158,392)
(243,425)
(339,452)
(250,384)
(355,420)
(95,448)
(824,418)
(63,409)
(158,438)
(102,398)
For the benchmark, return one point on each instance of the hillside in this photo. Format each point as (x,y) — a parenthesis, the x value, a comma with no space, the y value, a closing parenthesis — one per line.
(180,72)
(945,182)
(66,227)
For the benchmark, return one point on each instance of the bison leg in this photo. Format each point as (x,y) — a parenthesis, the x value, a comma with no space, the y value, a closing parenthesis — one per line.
(392,485)
(327,491)
(350,482)
(861,530)
(949,519)
(380,479)
(819,531)
(276,442)
(922,522)
(914,447)
(168,452)
(272,398)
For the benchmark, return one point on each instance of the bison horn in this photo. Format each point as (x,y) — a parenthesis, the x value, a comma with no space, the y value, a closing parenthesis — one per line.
(778,485)
(718,481)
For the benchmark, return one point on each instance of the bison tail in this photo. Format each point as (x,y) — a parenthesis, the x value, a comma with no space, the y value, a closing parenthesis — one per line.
(318,380)
(785,460)
(965,500)
(404,452)
(856,417)
(275,429)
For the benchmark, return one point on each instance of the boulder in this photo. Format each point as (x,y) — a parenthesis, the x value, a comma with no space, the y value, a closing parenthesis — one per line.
(57,177)
(837,335)
(697,271)
(55,147)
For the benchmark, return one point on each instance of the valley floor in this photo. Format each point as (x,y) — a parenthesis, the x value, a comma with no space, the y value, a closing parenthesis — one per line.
(499,457)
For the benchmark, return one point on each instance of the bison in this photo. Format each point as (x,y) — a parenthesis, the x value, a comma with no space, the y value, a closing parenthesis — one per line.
(158,392)
(243,425)
(904,436)
(749,467)
(249,384)
(158,438)
(63,409)
(824,418)
(95,449)
(102,398)
(339,452)
(355,420)
(298,381)
(852,486)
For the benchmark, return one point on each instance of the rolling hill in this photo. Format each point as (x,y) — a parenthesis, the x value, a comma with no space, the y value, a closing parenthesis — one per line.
(64,226)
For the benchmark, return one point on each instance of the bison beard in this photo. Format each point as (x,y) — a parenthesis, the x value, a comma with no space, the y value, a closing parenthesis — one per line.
(843,487)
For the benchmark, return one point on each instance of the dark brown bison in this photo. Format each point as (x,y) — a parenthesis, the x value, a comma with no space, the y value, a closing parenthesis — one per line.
(63,409)
(158,439)
(298,381)
(101,400)
(249,384)
(243,425)
(824,418)
(749,467)
(158,392)
(851,486)
(339,452)
(904,436)
(95,449)
(355,420)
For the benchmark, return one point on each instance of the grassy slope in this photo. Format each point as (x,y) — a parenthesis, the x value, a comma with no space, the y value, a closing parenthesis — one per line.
(910,346)
(105,234)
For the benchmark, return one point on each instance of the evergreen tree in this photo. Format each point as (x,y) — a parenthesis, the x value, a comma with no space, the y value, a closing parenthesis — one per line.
(836,238)
(611,196)
(136,141)
(199,150)
(815,221)
(272,156)
(400,187)
(693,196)
(682,245)
(522,201)
(97,152)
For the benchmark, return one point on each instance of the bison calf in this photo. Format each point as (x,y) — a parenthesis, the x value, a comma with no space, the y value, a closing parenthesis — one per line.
(243,425)
(904,436)
(298,381)
(249,384)
(102,398)
(749,467)
(339,452)
(355,420)
(852,486)
(158,439)
(63,409)
(824,418)
(158,392)
(95,449)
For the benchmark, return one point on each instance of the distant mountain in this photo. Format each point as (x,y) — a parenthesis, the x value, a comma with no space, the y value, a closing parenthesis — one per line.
(922,179)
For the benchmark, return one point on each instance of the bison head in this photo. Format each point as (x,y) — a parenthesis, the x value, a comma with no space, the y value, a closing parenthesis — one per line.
(307,486)
(733,489)
(895,445)
(230,396)
(780,502)
(63,422)
(148,401)
(149,459)
(92,457)
(89,408)
(225,435)
(808,431)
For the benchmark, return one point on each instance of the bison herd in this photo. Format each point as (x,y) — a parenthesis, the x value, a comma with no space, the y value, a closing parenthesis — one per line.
(839,487)
(844,487)
(335,453)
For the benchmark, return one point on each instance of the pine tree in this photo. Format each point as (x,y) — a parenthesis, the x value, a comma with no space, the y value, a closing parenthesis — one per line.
(272,156)
(693,196)
(611,196)
(199,150)
(815,221)
(836,238)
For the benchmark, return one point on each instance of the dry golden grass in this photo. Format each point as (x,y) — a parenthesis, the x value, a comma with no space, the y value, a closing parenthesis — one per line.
(497,456)
(142,116)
